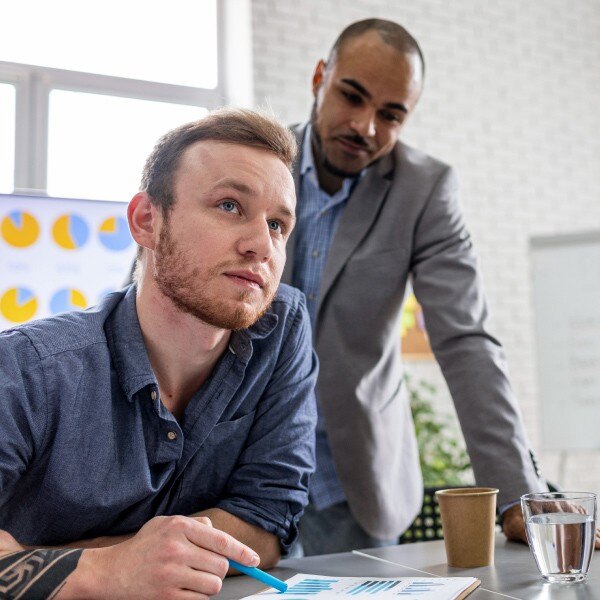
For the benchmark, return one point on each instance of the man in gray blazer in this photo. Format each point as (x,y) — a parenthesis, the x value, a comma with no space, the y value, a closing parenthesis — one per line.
(372,212)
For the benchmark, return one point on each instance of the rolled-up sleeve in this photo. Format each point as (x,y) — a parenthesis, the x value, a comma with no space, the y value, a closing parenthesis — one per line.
(269,487)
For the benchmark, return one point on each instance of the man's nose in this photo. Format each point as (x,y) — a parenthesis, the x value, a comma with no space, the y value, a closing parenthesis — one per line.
(363,122)
(256,240)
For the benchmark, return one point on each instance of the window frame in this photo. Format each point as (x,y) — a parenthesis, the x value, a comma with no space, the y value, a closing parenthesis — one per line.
(33,85)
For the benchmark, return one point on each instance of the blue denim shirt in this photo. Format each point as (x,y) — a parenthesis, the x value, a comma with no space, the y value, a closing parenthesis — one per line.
(87,448)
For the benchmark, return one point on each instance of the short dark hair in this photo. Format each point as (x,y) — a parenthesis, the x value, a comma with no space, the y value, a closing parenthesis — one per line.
(228,125)
(391,33)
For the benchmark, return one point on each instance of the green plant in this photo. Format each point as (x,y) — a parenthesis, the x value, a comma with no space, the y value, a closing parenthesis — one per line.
(444,459)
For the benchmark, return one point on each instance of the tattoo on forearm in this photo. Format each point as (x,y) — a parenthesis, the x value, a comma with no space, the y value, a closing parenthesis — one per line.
(36,574)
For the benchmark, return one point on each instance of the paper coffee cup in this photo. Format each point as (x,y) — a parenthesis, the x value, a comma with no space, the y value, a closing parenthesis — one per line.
(468,521)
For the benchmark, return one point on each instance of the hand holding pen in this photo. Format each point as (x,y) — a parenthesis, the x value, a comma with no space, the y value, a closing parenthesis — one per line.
(169,557)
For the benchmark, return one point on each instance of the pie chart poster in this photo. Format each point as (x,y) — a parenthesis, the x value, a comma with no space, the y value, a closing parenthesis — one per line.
(59,254)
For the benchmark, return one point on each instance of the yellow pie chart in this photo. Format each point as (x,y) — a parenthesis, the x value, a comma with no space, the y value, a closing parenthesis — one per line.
(70,232)
(66,300)
(18,305)
(114,234)
(20,229)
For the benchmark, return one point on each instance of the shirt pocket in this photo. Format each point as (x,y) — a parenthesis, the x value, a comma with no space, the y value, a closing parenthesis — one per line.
(206,477)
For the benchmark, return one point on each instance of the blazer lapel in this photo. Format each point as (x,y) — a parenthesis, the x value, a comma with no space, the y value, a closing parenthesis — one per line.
(357,218)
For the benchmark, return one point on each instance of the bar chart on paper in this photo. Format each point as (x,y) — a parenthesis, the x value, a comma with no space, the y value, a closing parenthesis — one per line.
(305,587)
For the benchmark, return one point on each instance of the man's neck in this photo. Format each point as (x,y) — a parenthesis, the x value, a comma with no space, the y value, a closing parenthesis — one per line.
(328,182)
(183,350)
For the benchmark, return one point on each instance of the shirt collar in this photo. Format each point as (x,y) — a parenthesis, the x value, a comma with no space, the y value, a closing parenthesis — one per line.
(128,350)
(308,161)
(241,340)
(127,347)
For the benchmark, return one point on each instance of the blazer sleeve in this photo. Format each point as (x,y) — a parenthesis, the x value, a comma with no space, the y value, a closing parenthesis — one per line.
(448,285)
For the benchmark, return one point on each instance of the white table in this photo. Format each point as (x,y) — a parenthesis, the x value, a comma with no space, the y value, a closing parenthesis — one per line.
(514,575)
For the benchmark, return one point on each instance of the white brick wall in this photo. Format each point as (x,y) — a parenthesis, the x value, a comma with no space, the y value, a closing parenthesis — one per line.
(512,99)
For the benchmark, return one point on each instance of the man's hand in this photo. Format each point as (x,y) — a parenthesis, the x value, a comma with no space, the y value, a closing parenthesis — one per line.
(513,526)
(8,543)
(169,558)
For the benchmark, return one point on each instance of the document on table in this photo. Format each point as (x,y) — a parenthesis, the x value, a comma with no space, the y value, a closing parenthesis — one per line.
(306,587)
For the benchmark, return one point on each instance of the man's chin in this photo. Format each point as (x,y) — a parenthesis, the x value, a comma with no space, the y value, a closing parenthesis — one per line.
(229,322)
(238,315)
(346,171)
(237,321)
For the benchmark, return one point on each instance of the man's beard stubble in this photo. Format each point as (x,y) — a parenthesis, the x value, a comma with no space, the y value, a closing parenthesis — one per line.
(320,155)
(183,286)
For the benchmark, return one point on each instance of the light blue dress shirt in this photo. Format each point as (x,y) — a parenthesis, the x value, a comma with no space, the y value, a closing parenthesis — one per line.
(318,215)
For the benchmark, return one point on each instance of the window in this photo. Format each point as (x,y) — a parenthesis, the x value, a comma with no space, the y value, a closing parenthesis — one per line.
(116,145)
(7,137)
(89,87)
(136,39)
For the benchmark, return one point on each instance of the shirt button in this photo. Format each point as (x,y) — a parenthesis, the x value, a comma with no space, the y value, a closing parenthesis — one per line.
(172,435)
(311,296)
(153,394)
(316,254)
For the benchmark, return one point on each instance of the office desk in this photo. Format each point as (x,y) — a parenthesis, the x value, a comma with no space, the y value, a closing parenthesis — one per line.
(514,576)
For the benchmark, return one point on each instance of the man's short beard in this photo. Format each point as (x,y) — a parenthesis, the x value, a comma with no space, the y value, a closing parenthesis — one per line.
(181,284)
(321,157)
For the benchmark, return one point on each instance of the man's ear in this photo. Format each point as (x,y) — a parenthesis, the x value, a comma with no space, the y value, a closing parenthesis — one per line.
(142,216)
(318,76)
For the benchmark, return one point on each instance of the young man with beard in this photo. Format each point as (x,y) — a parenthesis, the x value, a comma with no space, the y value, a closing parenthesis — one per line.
(189,393)
(373,212)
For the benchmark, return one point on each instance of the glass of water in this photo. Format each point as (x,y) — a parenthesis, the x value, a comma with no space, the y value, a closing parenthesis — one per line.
(561,528)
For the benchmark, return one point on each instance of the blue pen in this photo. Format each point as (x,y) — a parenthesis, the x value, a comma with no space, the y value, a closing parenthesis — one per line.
(282,586)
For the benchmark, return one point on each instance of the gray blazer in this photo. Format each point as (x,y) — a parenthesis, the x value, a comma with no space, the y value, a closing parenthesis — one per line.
(404,218)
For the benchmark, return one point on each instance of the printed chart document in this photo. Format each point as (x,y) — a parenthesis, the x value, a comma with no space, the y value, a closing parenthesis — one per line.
(306,587)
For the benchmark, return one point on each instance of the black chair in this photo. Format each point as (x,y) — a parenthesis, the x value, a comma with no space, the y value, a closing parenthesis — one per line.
(428,524)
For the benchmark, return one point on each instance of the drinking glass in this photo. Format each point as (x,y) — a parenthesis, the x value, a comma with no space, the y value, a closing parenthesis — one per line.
(561,529)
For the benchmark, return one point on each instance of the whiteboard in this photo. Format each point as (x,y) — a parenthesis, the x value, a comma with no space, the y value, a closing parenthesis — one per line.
(566,302)
(59,254)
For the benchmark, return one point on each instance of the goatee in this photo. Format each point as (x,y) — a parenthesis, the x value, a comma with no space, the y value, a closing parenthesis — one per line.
(319,152)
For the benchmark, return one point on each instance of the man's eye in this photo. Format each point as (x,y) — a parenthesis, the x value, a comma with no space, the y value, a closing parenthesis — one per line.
(275,226)
(352,98)
(390,117)
(228,205)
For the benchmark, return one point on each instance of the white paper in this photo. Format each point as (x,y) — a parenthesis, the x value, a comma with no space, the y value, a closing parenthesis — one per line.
(305,587)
